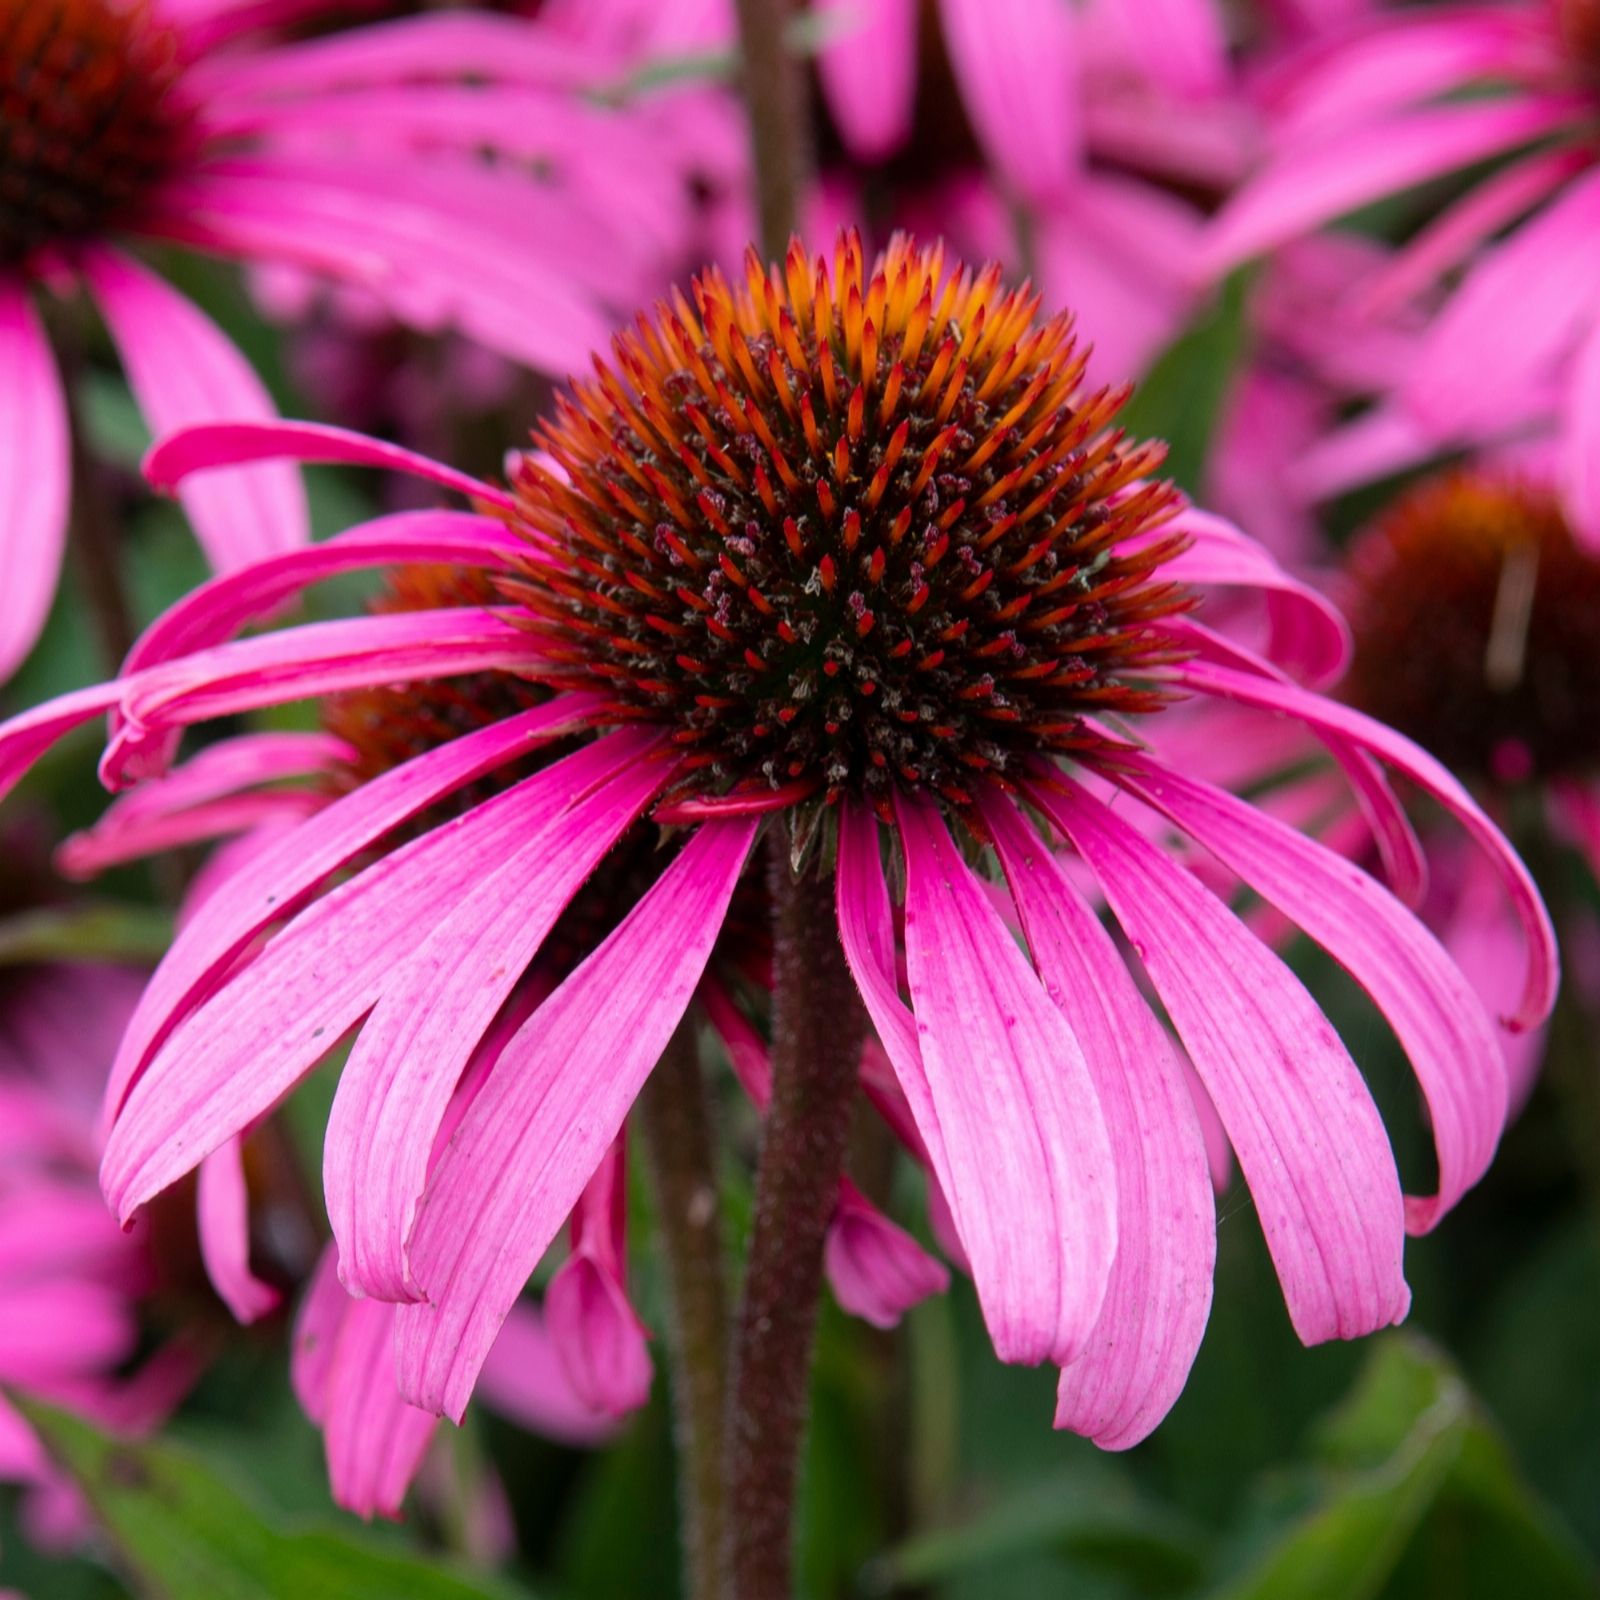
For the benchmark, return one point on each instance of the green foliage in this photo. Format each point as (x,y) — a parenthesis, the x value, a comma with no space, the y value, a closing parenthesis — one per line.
(180,1531)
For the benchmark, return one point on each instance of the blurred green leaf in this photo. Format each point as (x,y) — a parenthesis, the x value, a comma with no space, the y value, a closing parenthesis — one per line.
(1396,1468)
(1103,1526)
(1182,395)
(181,1533)
(86,933)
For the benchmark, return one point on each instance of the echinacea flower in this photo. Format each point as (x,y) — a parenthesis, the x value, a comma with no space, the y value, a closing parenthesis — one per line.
(1413,95)
(849,558)
(72,1285)
(358,157)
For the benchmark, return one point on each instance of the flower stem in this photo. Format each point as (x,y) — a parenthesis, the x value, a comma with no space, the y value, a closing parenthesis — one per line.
(774,97)
(680,1154)
(816,1046)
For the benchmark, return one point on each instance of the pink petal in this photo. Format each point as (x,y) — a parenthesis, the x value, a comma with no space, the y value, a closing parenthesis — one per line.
(524,1379)
(556,1099)
(303,663)
(1033,1185)
(65,1327)
(278,881)
(1432,1009)
(1580,443)
(1542,965)
(207,797)
(1138,1358)
(316,1326)
(868,70)
(35,475)
(209,446)
(375,1442)
(1305,1130)
(222,1208)
(183,369)
(877,1271)
(1521,309)
(598,1336)
(229,1061)
(440,1000)
(1310,636)
(1309,185)
(217,610)
(1017,66)
(1181,46)
(1387,62)
(27,736)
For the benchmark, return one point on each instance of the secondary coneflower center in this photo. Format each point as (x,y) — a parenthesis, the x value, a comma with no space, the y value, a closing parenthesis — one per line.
(1474,615)
(89,120)
(842,532)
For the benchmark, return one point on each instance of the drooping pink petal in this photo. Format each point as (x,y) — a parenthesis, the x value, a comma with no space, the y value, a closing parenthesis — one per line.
(1387,62)
(35,474)
(207,447)
(1310,636)
(1449,239)
(1136,1361)
(1033,1185)
(230,1060)
(524,1379)
(440,1000)
(1018,71)
(316,1326)
(868,70)
(183,369)
(71,1325)
(28,735)
(1580,441)
(1518,312)
(374,1441)
(1302,1123)
(1180,44)
(1327,178)
(1542,963)
(876,1269)
(306,662)
(1435,1014)
(556,1099)
(213,794)
(276,883)
(219,609)
(222,1209)
(597,1335)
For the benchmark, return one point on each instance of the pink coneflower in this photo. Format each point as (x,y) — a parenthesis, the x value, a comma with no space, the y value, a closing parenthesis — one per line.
(1417,95)
(359,156)
(846,558)
(71,1284)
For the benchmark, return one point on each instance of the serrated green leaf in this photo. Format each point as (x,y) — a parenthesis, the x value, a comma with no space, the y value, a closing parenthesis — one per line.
(180,1531)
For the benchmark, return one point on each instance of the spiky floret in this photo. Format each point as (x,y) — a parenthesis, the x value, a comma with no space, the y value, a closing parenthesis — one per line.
(91,118)
(844,531)
(1474,618)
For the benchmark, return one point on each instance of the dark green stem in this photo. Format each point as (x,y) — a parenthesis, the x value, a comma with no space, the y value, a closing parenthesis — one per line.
(680,1154)
(816,1043)
(774,97)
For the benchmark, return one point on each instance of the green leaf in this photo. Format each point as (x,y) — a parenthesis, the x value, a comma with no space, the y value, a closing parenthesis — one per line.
(179,1531)
(1182,396)
(1101,1525)
(95,932)
(1405,1472)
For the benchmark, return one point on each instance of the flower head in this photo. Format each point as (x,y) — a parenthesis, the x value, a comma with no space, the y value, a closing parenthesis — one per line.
(891,470)
(961,573)
(397,159)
